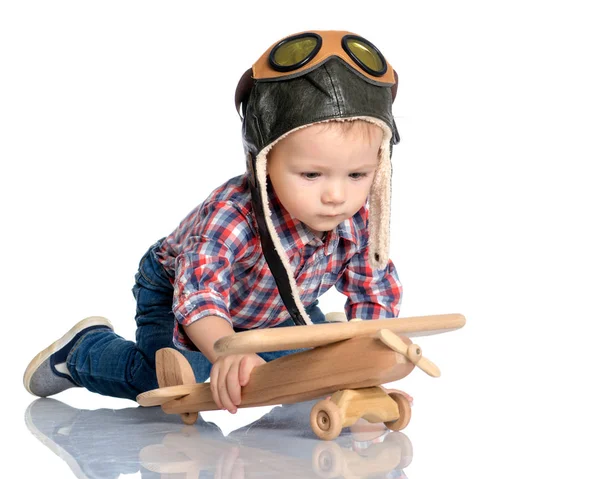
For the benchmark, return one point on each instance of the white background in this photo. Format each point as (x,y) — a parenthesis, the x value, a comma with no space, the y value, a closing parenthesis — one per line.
(117,118)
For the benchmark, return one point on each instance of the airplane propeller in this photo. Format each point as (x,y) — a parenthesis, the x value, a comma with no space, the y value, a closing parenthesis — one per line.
(412,352)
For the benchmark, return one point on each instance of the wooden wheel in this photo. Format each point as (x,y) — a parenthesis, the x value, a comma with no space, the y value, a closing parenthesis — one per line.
(189,418)
(326,420)
(404,412)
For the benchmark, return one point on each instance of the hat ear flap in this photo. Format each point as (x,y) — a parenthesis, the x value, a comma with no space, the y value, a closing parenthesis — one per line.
(379,209)
(242,92)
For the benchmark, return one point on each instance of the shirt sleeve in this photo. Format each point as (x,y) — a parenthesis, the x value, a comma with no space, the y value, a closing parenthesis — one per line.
(204,269)
(372,294)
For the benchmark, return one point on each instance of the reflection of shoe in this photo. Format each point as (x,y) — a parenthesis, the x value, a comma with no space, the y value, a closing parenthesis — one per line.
(50,421)
(47,373)
(104,443)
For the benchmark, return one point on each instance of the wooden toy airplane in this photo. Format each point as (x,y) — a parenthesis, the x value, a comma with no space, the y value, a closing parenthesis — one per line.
(348,360)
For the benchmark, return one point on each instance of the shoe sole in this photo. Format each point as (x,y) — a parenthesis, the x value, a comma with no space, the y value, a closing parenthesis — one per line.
(39,359)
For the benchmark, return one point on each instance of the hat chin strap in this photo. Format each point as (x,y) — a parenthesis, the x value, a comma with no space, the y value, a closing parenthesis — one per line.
(271,245)
(275,255)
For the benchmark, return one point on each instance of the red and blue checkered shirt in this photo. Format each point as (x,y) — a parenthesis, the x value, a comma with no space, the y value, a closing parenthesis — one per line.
(214,259)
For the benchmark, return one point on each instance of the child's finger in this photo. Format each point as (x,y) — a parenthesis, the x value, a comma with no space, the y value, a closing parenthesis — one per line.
(233,383)
(246,368)
(224,395)
(223,388)
(214,381)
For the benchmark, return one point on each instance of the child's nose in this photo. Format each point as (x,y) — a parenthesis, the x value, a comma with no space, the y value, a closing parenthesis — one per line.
(334,193)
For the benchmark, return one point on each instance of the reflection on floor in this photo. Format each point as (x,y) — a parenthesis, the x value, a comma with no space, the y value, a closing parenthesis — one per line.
(105,443)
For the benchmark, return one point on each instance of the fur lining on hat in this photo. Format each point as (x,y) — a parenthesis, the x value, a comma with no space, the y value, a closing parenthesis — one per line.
(379,205)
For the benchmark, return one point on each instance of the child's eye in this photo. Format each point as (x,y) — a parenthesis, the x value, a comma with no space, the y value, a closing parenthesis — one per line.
(310,175)
(357,176)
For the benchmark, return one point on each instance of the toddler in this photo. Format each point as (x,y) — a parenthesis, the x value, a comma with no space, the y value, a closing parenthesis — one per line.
(312,211)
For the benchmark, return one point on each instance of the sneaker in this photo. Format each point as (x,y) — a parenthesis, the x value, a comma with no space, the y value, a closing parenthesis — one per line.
(47,373)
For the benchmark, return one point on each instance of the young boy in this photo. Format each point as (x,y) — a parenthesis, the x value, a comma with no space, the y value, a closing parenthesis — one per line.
(318,131)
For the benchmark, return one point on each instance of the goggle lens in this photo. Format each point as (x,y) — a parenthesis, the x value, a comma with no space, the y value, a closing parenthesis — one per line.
(365,54)
(294,52)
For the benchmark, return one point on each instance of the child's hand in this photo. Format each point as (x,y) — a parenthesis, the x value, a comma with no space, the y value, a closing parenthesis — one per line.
(228,375)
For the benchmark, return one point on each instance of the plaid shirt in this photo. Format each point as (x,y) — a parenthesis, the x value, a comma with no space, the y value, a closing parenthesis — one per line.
(215,262)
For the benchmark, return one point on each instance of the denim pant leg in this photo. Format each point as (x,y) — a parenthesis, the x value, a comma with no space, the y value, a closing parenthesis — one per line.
(101,361)
(104,362)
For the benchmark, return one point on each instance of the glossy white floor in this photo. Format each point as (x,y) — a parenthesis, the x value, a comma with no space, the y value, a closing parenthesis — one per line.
(497,411)
(109,443)
(116,119)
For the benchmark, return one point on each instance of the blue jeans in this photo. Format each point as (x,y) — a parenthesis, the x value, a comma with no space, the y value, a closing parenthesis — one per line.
(105,363)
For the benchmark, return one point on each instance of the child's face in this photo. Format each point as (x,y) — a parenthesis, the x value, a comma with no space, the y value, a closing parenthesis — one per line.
(322,176)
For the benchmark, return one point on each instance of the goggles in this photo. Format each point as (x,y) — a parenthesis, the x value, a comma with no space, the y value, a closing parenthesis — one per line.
(305,51)
(300,53)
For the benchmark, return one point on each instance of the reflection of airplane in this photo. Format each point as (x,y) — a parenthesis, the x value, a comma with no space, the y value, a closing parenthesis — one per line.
(188,453)
(106,443)
(348,360)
